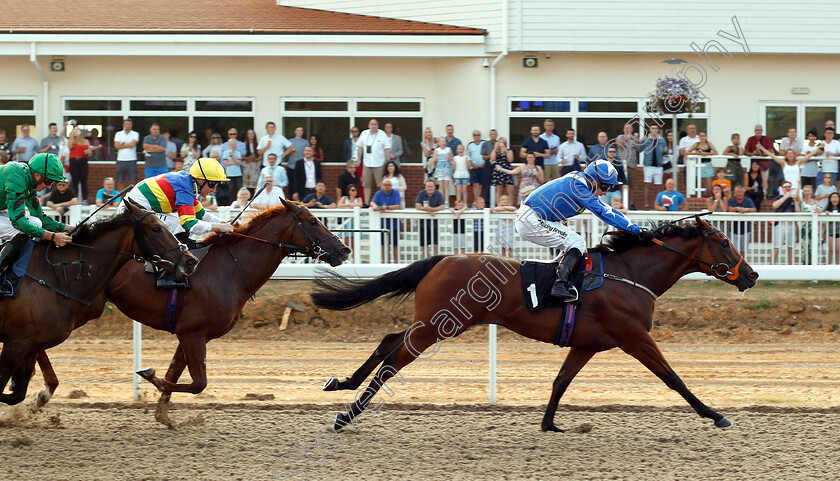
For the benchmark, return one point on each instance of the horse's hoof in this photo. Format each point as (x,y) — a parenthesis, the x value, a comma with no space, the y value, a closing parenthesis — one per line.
(551,428)
(147,374)
(42,398)
(723,423)
(331,384)
(338,422)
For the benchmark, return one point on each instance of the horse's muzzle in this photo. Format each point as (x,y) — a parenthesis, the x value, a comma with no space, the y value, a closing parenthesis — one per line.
(748,281)
(340,256)
(187,264)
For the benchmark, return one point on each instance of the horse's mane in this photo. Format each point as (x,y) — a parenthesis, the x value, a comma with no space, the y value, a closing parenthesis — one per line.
(88,232)
(256,221)
(625,241)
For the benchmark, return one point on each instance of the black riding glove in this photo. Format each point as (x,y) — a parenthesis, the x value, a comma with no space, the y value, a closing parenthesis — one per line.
(647,235)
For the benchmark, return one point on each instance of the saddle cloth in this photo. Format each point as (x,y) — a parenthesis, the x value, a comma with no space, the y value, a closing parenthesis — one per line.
(538,278)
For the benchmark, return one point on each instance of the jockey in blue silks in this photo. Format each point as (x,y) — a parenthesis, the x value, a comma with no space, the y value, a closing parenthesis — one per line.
(540,218)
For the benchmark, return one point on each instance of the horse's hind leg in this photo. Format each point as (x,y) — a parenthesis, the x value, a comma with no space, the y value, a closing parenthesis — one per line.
(646,351)
(388,344)
(50,379)
(575,360)
(413,343)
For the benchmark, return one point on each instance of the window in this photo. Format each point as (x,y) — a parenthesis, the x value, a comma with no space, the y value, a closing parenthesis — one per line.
(781,116)
(178,115)
(15,113)
(331,119)
(587,116)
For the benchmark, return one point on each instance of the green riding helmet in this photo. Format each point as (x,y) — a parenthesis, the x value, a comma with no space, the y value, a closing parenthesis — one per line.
(48,166)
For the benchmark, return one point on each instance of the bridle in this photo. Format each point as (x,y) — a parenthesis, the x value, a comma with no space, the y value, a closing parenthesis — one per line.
(145,250)
(719,269)
(147,254)
(314,248)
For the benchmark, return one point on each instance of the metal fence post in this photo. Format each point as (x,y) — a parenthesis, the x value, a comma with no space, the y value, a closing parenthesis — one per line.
(375,244)
(357,236)
(815,239)
(137,334)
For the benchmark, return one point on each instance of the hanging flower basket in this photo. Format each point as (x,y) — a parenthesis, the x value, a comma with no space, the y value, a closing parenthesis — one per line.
(674,96)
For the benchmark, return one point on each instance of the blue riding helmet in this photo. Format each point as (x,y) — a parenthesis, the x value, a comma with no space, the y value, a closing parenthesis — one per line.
(602,171)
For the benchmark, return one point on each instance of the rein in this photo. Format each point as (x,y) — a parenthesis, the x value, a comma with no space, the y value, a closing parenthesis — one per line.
(138,238)
(727,272)
(315,248)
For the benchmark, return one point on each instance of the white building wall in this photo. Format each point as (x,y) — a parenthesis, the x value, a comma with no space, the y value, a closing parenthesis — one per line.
(463,13)
(454,90)
(770,26)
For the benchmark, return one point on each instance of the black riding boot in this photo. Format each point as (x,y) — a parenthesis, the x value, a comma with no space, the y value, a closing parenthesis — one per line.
(566,269)
(8,255)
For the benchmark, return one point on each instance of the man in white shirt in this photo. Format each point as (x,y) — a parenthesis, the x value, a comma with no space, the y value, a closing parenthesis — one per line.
(276,172)
(125,141)
(553,141)
(831,148)
(273,143)
(269,197)
(570,151)
(373,150)
(689,140)
(791,142)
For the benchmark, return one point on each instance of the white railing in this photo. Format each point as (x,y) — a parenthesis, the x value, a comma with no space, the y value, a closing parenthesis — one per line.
(773,238)
(693,164)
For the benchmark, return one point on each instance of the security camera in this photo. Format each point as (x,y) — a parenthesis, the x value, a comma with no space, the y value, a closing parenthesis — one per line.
(486,63)
(530,62)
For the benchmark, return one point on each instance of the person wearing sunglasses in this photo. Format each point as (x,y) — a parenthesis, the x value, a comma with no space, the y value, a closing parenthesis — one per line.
(19,183)
(174,197)
(540,218)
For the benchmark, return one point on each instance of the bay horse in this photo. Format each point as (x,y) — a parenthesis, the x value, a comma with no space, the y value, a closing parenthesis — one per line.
(61,284)
(618,314)
(235,267)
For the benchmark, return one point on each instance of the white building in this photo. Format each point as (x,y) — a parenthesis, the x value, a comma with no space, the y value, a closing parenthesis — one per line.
(210,65)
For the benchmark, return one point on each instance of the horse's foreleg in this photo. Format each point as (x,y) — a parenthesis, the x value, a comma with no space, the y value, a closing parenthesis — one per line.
(388,344)
(176,368)
(646,351)
(10,359)
(20,380)
(194,348)
(50,379)
(575,360)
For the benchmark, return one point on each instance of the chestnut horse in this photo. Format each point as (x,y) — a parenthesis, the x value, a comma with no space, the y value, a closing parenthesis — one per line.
(61,284)
(618,314)
(236,266)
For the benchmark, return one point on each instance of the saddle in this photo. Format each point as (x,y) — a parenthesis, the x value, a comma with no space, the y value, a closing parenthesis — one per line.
(538,278)
(11,277)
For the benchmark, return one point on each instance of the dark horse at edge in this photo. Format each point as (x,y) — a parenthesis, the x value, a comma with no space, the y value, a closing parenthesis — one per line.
(618,314)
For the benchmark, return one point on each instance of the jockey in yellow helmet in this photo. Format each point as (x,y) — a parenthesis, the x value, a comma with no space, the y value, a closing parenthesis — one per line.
(173,197)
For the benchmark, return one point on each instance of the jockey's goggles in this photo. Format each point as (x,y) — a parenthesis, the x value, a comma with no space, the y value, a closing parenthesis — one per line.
(213,183)
(48,182)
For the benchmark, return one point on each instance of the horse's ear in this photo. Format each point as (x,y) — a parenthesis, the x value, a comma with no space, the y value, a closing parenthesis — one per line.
(701,222)
(133,206)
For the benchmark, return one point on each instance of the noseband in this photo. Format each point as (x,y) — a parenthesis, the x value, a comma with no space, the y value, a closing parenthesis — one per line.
(719,269)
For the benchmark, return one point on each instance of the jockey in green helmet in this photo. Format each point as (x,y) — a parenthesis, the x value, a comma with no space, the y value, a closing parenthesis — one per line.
(19,183)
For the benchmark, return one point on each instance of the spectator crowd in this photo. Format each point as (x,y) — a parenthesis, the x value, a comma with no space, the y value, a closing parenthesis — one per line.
(793,174)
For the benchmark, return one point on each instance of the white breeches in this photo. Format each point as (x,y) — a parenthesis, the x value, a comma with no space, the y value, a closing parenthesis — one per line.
(7,230)
(547,233)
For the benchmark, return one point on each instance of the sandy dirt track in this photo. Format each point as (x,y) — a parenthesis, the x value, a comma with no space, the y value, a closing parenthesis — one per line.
(437,425)
(421,442)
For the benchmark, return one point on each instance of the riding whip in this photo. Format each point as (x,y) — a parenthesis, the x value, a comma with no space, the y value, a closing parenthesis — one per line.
(258,192)
(120,195)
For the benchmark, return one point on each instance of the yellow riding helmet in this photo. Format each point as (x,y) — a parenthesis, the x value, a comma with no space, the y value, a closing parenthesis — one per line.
(208,169)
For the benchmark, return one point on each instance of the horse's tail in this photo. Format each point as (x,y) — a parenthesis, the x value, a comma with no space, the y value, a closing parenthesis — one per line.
(334,291)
